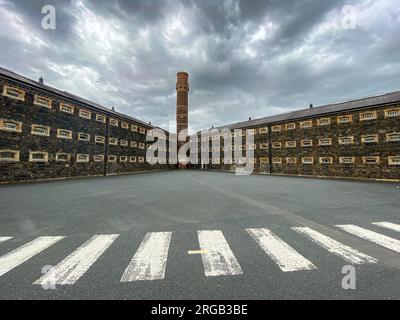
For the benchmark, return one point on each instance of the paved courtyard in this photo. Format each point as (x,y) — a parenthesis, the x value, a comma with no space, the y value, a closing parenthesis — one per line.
(199,235)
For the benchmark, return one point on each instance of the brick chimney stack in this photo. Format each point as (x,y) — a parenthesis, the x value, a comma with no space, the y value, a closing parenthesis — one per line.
(182,91)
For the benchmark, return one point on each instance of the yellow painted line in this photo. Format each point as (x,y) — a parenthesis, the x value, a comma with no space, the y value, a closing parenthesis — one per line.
(197,252)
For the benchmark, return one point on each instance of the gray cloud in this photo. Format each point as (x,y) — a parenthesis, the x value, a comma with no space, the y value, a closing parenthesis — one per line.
(245,58)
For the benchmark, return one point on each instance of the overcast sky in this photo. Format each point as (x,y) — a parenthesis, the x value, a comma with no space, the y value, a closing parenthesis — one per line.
(245,58)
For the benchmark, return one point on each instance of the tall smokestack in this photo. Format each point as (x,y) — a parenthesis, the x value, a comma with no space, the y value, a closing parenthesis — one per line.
(182,92)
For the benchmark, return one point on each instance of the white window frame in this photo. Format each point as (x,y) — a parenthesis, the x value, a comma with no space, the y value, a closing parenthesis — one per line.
(367,136)
(276,160)
(362,116)
(85,160)
(124,125)
(123,143)
(113,141)
(101,118)
(66,108)
(389,135)
(98,158)
(58,154)
(62,137)
(133,144)
(17,124)
(321,121)
(39,126)
(114,122)
(263,130)
(306,140)
(85,114)
(394,161)
(20,93)
(306,124)
(342,160)
(303,160)
(141,145)
(33,153)
(99,139)
(291,160)
(123,159)
(276,145)
(80,134)
(344,119)
(132,159)
(112,158)
(365,160)
(276,128)
(346,143)
(322,160)
(134,128)
(396,111)
(291,144)
(141,160)
(291,126)
(16,154)
(263,145)
(37,101)
(328,141)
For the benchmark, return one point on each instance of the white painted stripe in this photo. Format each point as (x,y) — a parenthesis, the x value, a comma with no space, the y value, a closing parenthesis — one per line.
(380,239)
(388,225)
(219,259)
(149,261)
(2,239)
(347,253)
(279,251)
(68,271)
(18,256)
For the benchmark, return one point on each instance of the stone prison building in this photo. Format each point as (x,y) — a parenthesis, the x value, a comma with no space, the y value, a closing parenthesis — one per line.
(46,133)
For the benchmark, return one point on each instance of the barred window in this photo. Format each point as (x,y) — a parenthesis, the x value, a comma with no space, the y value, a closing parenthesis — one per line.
(142,130)
(38,156)
(306,143)
(123,159)
(40,130)
(277,145)
(9,156)
(124,125)
(86,114)
(306,124)
(113,141)
(42,101)
(346,160)
(346,140)
(392,112)
(276,160)
(394,161)
(326,160)
(291,160)
(290,144)
(83,136)
(133,144)
(10,125)
(370,138)
(370,160)
(307,160)
(325,141)
(264,160)
(141,145)
(82,158)
(66,108)
(100,118)
(14,93)
(263,145)
(290,126)
(141,159)
(114,122)
(263,130)
(132,159)
(64,134)
(276,128)
(324,122)
(99,139)
(98,158)
(63,157)
(368,115)
(112,158)
(124,143)
(134,128)
(344,119)
(392,137)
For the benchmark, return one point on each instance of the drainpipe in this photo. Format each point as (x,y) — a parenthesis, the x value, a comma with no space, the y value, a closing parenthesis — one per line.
(106,147)
(269,149)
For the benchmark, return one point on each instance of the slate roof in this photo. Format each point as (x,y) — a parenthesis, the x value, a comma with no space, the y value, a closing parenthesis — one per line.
(382,99)
(36,84)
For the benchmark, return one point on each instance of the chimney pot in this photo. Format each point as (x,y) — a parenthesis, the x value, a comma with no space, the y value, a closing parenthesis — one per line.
(41,81)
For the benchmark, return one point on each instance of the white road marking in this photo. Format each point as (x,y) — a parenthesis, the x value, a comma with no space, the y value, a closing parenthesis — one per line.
(18,256)
(279,251)
(149,261)
(2,239)
(347,253)
(219,259)
(388,225)
(380,239)
(191,252)
(68,271)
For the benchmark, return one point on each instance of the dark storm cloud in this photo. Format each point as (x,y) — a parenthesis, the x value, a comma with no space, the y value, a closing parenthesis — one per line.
(245,58)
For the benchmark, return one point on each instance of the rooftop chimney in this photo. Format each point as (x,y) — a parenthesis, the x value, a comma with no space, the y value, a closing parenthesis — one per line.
(41,80)
(311,106)
(249,118)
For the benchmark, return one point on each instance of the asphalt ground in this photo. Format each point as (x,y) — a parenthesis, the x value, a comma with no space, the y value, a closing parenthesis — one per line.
(184,202)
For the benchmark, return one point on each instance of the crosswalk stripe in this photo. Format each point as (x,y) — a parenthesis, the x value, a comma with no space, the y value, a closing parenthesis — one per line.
(279,251)
(388,225)
(2,239)
(347,253)
(74,266)
(18,256)
(219,259)
(380,239)
(149,261)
